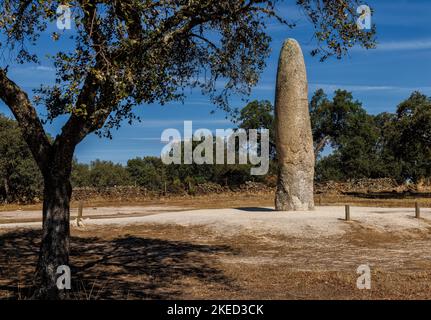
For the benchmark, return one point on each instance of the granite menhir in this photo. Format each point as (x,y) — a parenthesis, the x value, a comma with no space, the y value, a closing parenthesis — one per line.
(294,139)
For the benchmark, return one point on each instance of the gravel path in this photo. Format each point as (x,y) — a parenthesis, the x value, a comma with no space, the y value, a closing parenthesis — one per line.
(324,221)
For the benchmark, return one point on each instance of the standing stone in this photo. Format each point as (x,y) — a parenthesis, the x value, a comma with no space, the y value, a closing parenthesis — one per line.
(294,139)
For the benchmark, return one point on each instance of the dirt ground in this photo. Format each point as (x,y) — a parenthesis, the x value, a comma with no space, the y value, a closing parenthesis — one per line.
(166,258)
(233,200)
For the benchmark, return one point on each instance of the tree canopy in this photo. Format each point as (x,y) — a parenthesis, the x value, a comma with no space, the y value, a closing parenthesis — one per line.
(127,53)
(409,137)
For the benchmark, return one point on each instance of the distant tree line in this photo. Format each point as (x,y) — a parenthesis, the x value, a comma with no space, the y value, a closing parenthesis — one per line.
(153,174)
(349,142)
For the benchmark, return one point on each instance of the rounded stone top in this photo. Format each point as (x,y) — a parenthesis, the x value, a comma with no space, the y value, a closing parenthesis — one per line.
(291,41)
(290,45)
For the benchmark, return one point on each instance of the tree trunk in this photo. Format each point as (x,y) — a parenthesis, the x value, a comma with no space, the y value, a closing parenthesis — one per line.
(54,250)
(6,190)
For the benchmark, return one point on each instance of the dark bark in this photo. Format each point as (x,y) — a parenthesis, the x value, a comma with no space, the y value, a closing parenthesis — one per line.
(31,127)
(54,249)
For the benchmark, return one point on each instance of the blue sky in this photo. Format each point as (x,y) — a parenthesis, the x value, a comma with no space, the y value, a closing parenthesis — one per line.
(379,78)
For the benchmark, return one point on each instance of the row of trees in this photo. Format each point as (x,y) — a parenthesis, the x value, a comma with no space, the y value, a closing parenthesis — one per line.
(151,173)
(352,144)
(387,145)
(21,181)
(349,143)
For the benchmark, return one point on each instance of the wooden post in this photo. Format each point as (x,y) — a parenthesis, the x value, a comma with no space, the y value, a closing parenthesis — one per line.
(80,210)
(417,210)
(347,212)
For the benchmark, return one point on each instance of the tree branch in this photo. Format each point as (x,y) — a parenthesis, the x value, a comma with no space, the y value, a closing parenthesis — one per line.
(78,126)
(31,127)
(320,145)
(98,110)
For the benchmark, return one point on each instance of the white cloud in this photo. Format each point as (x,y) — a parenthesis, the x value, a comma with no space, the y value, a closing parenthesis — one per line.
(45,68)
(167,123)
(404,45)
(333,87)
(329,87)
(144,139)
(418,44)
(366,88)
(31,69)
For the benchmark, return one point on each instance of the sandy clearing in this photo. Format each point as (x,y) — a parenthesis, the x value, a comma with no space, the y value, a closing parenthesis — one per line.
(324,221)
(90,212)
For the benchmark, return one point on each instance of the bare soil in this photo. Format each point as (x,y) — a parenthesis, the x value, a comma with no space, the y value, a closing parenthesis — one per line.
(166,256)
(244,199)
(174,262)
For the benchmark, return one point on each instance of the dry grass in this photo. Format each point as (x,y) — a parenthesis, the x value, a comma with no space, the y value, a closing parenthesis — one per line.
(174,262)
(397,201)
(215,201)
(237,199)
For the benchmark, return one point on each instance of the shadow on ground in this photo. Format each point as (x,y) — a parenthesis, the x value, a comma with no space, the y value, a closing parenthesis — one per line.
(123,268)
(255,209)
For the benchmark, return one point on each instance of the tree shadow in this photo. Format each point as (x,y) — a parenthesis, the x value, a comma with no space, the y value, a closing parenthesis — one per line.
(256,209)
(127,267)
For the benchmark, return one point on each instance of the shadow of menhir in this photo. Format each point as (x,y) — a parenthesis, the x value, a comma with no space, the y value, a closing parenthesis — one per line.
(256,209)
(124,268)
